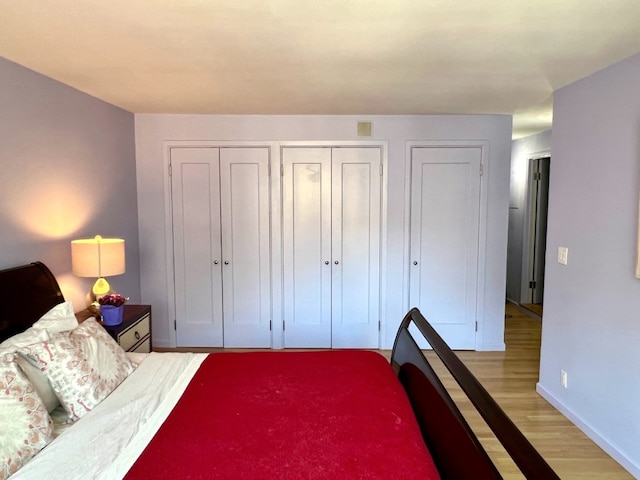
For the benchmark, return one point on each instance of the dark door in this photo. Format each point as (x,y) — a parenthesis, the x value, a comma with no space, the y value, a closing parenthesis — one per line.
(539,202)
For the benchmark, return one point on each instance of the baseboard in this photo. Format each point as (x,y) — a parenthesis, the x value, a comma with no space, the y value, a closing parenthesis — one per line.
(491,347)
(632,467)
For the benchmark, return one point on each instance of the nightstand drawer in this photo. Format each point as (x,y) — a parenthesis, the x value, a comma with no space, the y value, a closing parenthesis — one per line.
(135,333)
(144,347)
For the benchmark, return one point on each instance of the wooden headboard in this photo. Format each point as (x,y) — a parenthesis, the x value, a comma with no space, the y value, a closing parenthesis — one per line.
(30,291)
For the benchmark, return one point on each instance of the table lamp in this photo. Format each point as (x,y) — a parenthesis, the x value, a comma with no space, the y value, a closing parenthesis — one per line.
(98,257)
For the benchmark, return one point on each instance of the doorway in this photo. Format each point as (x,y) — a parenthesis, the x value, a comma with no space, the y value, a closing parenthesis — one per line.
(537,211)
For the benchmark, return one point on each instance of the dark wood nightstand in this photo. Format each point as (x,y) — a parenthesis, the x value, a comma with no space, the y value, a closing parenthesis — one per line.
(134,333)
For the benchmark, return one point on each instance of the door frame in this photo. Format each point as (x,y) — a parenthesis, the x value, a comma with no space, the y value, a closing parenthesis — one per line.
(276,274)
(482,226)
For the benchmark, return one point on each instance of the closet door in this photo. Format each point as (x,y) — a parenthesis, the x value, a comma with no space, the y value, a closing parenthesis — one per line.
(195,195)
(331,246)
(306,239)
(445,209)
(355,240)
(244,198)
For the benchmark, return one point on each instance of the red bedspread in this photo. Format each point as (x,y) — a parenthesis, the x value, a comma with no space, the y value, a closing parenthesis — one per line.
(289,415)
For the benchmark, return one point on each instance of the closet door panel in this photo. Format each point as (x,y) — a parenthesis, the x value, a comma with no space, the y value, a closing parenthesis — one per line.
(307,246)
(356,183)
(445,201)
(244,196)
(196,238)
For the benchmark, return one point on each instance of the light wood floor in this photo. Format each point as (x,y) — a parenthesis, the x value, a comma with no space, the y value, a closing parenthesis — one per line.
(511,377)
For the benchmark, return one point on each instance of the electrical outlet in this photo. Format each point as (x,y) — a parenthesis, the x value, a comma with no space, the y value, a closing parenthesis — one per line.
(563,378)
(563,255)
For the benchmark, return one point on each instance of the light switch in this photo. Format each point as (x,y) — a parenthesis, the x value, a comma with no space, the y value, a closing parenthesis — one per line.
(563,255)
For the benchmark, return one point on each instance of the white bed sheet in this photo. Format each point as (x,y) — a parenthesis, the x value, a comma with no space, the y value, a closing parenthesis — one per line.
(107,441)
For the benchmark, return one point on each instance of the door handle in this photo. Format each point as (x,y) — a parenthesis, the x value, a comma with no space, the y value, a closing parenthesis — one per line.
(415,263)
(226,262)
(215,262)
(336,262)
(326,262)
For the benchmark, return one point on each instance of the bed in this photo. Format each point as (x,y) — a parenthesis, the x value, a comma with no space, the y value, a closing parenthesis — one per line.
(320,414)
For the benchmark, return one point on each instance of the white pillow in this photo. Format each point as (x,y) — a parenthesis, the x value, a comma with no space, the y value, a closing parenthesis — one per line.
(59,319)
(26,425)
(27,337)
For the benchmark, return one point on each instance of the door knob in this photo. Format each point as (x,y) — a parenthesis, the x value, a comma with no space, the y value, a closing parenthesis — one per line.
(226,262)
(215,262)
(326,262)
(415,263)
(336,262)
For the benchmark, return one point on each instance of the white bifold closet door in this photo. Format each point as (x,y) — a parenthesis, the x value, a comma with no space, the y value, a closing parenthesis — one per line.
(331,246)
(445,213)
(220,213)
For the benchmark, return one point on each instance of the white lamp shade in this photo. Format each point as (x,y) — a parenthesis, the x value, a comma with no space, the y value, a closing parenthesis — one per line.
(97,257)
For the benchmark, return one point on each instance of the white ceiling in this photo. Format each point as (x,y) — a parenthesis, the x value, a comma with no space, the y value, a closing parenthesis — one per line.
(359,57)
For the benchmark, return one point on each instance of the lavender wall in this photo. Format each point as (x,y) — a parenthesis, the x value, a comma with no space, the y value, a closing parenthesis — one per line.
(591,325)
(68,171)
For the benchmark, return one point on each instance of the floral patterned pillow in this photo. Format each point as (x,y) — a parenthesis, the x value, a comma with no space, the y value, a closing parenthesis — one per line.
(25,424)
(76,384)
(59,319)
(83,366)
(103,353)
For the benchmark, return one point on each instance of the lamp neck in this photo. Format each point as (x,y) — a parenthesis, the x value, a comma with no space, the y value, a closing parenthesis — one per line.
(101,287)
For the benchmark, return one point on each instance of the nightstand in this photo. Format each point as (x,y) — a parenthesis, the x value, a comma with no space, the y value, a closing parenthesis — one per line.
(134,333)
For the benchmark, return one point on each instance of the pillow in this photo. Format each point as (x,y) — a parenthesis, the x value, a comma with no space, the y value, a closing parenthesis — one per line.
(35,376)
(59,319)
(75,383)
(40,382)
(26,425)
(83,366)
(103,353)
(23,339)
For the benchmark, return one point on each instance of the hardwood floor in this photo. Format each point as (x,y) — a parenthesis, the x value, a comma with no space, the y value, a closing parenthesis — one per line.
(511,378)
(535,308)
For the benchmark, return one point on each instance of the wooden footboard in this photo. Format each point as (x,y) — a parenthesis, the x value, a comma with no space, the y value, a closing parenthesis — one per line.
(453,445)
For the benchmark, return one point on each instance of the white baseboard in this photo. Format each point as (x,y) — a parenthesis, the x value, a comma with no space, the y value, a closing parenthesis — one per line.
(491,347)
(612,450)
